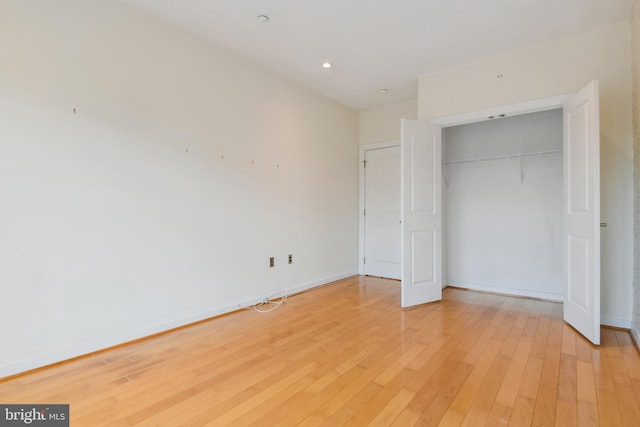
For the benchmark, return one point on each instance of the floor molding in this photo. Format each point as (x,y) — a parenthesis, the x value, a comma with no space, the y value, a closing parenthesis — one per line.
(484,291)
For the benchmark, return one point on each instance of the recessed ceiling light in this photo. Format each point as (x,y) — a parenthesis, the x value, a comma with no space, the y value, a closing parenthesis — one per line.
(327,65)
(263,18)
(383,90)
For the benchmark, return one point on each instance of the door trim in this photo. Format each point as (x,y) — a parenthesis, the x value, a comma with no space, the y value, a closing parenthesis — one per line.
(526,107)
(361,203)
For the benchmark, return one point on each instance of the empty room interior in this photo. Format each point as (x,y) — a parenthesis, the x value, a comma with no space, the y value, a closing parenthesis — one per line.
(334,213)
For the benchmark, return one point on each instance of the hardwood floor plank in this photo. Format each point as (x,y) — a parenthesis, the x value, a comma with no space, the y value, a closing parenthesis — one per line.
(472,385)
(347,354)
(483,403)
(393,409)
(524,405)
(401,362)
(541,337)
(364,413)
(351,407)
(617,366)
(627,405)
(530,383)
(608,412)
(584,349)
(311,414)
(629,354)
(586,384)
(248,410)
(408,417)
(566,414)
(449,387)
(450,419)
(544,413)
(568,340)
(522,413)
(513,377)
(588,414)
(602,372)
(500,415)
(567,410)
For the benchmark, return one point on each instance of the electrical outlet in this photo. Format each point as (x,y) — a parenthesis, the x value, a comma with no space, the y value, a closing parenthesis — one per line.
(290,259)
(272,262)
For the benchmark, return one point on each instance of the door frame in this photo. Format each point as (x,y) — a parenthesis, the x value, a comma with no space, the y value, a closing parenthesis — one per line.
(542,104)
(579,322)
(510,110)
(361,203)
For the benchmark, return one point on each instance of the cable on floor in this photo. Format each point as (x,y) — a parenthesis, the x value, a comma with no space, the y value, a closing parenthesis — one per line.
(269,301)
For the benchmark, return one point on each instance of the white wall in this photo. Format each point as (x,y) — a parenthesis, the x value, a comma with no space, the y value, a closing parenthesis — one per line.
(553,68)
(382,124)
(503,233)
(160,200)
(635,56)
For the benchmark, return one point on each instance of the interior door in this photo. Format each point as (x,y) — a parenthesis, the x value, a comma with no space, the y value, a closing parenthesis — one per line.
(382,212)
(582,212)
(421,168)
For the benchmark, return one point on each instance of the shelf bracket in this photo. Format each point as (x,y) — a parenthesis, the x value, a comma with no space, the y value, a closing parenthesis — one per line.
(444,175)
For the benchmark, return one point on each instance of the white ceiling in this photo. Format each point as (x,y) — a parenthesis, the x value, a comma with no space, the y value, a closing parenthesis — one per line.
(377,44)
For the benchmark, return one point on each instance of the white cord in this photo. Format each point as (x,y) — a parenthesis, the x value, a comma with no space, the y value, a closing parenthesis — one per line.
(268,301)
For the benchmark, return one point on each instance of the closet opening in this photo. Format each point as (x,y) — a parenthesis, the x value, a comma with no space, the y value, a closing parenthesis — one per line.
(499,231)
(502,194)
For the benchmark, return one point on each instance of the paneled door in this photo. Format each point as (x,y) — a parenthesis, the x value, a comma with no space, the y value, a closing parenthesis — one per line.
(382,212)
(421,168)
(582,212)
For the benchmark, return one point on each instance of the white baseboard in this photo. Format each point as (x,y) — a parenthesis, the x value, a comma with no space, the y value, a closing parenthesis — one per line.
(604,319)
(296,290)
(615,322)
(88,348)
(507,291)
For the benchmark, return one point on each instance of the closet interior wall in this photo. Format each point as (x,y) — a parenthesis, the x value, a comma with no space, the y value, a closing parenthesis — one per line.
(503,198)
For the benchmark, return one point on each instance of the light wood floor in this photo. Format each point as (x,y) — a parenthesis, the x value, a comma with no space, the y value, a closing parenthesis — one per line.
(346,354)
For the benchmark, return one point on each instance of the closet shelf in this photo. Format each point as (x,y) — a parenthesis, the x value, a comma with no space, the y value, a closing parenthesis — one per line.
(550,153)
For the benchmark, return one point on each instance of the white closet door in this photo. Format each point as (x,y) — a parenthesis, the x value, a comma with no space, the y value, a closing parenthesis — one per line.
(582,212)
(382,212)
(421,165)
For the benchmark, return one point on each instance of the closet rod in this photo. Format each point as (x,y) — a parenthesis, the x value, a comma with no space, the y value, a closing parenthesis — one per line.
(550,153)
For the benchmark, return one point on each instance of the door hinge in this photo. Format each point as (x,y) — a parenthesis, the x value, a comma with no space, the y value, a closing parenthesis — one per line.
(365,212)
(364,260)
(365,163)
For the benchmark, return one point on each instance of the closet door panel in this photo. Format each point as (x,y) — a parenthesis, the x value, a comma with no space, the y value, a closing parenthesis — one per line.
(421,168)
(582,212)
